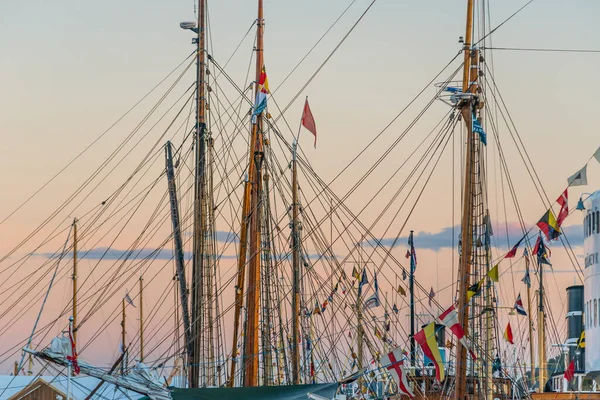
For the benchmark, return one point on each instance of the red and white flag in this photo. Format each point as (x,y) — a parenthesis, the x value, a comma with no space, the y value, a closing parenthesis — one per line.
(563,201)
(395,365)
(308,121)
(449,318)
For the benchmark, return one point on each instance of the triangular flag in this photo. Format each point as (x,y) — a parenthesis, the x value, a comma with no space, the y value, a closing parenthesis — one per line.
(570,372)
(579,178)
(395,309)
(597,155)
(363,281)
(508,335)
(549,226)
(519,306)
(513,251)
(493,274)
(308,120)
(401,290)
(355,273)
(129,300)
(474,290)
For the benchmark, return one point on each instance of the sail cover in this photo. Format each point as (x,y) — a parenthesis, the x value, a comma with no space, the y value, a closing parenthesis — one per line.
(288,392)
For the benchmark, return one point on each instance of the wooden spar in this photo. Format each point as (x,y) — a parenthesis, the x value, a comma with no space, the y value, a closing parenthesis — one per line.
(74,277)
(250,353)
(99,385)
(296,272)
(179,257)
(467,215)
(541,334)
(141,319)
(199,209)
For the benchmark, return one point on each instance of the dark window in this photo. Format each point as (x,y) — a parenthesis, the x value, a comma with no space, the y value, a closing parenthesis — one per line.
(597,221)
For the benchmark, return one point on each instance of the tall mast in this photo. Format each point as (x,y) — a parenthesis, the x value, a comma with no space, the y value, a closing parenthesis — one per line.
(467,211)
(296,271)
(250,353)
(411,288)
(541,334)
(141,319)
(199,209)
(74,277)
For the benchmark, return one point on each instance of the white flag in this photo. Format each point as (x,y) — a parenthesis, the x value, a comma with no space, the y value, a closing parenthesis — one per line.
(129,300)
(395,365)
(579,178)
(597,155)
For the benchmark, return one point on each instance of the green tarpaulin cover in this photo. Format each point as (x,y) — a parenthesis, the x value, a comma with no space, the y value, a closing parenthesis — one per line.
(290,392)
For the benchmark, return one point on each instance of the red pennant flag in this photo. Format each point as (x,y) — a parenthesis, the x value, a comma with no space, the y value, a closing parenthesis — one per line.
(308,120)
(570,372)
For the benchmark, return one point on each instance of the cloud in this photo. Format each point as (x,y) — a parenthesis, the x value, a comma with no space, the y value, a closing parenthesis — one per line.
(222,236)
(443,238)
(105,253)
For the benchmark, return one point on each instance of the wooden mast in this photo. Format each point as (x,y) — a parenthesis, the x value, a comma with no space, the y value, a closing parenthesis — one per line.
(74,277)
(199,209)
(530,323)
(296,271)
(467,213)
(251,355)
(141,319)
(248,211)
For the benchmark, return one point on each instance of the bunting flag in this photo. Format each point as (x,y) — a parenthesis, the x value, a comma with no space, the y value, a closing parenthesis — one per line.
(597,155)
(363,281)
(395,309)
(308,121)
(579,178)
(427,340)
(261,95)
(536,247)
(355,273)
(129,300)
(413,254)
(477,128)
(431,296)
(373,301)
(513,252)
(549,226)
(317,309)
(73,356)
(526,279)
(508,335)
(404,274)
(401,290)
(474,290)
(324,306)
(581,341)
(570,372)
(542,253)
(563,201)
(496,364)
(378,334)
(394,363)
(493,274)
(449,318)
(519,306)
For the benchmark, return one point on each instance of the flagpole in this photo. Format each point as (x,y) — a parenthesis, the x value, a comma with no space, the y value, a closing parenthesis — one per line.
(541,333)
(529,317)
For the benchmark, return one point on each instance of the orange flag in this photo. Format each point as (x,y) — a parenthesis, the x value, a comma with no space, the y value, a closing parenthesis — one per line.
(308,120)
(508,335)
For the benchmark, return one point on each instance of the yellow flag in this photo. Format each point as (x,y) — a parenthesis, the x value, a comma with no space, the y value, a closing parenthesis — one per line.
(493,274)
(401,290)
(581,341)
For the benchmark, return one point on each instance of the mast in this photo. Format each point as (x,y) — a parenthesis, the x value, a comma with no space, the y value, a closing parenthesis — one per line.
(296,272)
(359,338)
(251,355)
(124,362)
(141,319)
(467,211)
(199,209)
(541,333)
(179,259)
(74,277)
(411,289)
(530,323)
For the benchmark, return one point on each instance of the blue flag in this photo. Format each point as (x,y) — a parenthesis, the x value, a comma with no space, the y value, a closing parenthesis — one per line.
(363,281)
(477,128)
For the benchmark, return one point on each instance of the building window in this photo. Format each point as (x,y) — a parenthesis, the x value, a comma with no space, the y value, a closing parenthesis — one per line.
(595,313)
(597,221)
